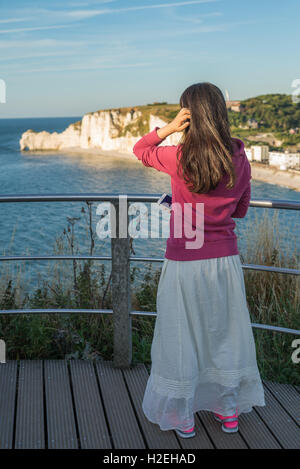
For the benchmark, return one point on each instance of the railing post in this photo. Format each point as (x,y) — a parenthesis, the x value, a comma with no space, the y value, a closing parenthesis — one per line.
(121,293)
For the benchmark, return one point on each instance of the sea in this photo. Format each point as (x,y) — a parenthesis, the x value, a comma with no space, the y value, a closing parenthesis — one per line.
(45,228)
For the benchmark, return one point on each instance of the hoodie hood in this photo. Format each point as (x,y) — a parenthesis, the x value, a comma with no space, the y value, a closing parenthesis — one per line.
(238,146)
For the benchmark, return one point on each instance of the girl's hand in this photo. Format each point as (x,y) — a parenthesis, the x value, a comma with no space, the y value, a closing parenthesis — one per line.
(180,123)
(177,125)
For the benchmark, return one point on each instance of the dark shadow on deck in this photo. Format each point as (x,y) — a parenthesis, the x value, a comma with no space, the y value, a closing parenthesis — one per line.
(84,404)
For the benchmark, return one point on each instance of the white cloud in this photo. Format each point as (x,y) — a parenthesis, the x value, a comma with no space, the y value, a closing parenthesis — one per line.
(87,67)
(38,55)
(15,20)
(194,18)
(83,14)
(40,43)
(33,28)
(88,2)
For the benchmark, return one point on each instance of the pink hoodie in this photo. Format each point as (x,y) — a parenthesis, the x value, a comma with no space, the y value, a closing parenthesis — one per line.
(221,205)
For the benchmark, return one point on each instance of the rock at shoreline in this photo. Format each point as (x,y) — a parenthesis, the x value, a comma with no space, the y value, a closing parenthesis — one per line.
(117,130)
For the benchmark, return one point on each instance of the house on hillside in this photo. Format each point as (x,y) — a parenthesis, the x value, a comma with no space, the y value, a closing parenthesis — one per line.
(233,105)
(252,124)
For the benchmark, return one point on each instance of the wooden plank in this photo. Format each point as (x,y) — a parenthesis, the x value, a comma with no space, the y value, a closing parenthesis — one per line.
(93,431)
(255,432)
(269,427)
(61,428)
(30,432)
(220,439)
(122,421)
(136,379)
(279,422)
(8,387)
(287,396)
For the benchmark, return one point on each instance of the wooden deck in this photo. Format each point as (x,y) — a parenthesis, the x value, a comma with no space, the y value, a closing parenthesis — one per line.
(57,404)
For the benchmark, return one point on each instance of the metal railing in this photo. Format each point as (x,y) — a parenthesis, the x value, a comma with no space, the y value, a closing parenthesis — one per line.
(120,259)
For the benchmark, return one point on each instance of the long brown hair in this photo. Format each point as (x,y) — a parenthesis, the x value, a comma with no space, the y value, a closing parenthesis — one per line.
(207,145)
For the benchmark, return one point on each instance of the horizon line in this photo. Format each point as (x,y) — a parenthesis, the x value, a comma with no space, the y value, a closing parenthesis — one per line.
(131,106)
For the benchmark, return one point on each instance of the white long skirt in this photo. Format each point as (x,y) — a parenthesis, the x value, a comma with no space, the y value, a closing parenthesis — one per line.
(203,351)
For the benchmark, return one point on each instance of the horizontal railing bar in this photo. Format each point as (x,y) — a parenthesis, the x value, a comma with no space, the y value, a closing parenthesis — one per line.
(285,204)
(53,258)
(90,197)
(55,311)
(279,270)
(276,328)
(77,197)
(260,326)
(132,313)
(266,268)
(121,309)
(255,325)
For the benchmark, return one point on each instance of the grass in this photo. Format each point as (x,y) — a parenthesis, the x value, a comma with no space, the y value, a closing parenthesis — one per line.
(272,299)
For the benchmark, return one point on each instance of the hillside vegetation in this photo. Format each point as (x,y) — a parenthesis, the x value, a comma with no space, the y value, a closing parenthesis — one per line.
(274,115)
(263,119)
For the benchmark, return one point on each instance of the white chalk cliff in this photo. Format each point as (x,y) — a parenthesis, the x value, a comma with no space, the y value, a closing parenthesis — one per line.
(104,130)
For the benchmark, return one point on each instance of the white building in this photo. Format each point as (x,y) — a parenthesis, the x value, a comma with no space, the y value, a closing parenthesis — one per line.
(278,159)
(248,152)
(260,153)
(285,160)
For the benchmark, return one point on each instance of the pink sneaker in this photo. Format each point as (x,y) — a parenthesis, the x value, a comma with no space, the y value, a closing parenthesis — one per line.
(229,424)
(187,433)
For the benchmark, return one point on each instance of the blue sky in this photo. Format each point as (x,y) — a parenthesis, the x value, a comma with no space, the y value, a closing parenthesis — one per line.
(67,58)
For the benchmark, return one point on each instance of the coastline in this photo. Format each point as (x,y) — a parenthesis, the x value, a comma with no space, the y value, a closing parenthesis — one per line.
(273,175)
(91,151)
(259,171)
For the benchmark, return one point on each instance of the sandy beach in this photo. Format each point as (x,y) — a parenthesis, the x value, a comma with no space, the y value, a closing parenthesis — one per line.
(274,175)
(96,152)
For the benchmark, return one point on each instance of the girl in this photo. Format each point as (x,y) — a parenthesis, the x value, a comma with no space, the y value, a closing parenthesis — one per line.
(203,352)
